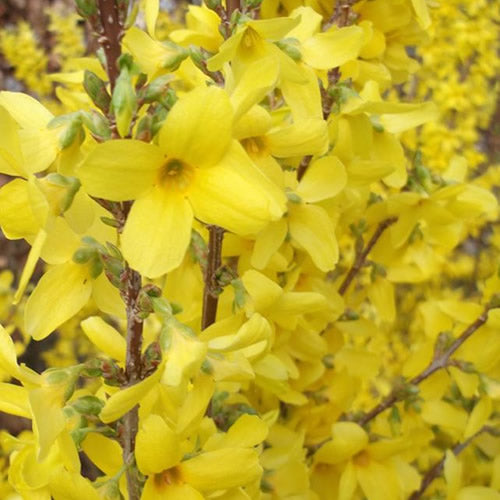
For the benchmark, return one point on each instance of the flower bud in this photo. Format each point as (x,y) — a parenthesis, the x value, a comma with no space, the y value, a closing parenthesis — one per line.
(96,89)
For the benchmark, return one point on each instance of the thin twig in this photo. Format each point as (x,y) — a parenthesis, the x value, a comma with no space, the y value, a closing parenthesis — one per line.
(109,39)
(437,468)
(210,293)
(362,256)
(133,369)
(440,360)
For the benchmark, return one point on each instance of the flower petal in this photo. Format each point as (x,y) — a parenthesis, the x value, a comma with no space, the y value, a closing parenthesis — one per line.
(221,469)
(304,137)
(149,248)
(331,49)
(63,290)
(105,337)
(324,179)
(313,230)
(348,439)
(198,128)
(236,194)
(120,170)
(157,447)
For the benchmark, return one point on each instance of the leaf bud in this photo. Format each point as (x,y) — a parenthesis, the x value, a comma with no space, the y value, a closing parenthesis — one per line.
(97,124)
(252,4)
(88,405)
(96,267)
(290,47)
(143,129)
(124,102)
(110,222)
(213,4)
(83,255)
(174,60)
(293,197)
(96,90)
(86,8)
(155,90)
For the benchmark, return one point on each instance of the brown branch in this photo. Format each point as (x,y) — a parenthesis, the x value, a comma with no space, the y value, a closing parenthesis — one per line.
(133,371)
(360,260)
(210,291)
(110,37)
(439,361)
(437,468)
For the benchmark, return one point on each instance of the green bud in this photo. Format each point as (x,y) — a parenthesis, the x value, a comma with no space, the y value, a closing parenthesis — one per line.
(97,124)
(141,81)
(96,267)
(83,255)
(72,123)
(240,293)
(252,4)
(124,102)
(206,367)
(96,90)
(494,301)
(290,47)
(143,129)
(162,307)
(132,16)
(88,405)
(213,4)
(112,265)
(293,197)
(155,90)
(175,58)
(110,222)
(327,360)
(86,8)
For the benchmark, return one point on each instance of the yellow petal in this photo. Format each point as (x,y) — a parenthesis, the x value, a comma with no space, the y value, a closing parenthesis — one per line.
(378,482)
(263,290)
(66,485)
(305,137)
(14,400)
(105,337)
(348,439)
(151,9)
(257,328)
(236,194)
(63,290)
(221,469)
(10,149)
(247,431)
(125,399)
(104,452)
(400,122)
(312,230)
(304,98)
(48,418)
(39,148)
(348,482)
(477,493)
(157,447)
(452,473)
(120,170)
(268,242)
(185,353)
(445,415)
(198,128)
(331,49)
(160,486)
(422,11)
(25,110)
(478,417)
(324,179)
(256,82)
(16,216)
(150,248)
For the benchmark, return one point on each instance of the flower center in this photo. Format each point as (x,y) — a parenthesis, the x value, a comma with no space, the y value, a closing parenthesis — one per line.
(167,477)
(255,146)
(175,174)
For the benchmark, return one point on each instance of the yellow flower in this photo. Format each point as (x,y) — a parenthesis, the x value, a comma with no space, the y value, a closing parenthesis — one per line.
(197,170)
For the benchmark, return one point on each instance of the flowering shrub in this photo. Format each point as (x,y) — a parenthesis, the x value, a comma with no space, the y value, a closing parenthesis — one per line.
(257,290)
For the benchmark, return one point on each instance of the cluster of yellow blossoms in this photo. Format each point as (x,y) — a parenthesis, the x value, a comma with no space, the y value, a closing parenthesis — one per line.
(251,277)
(459,72)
